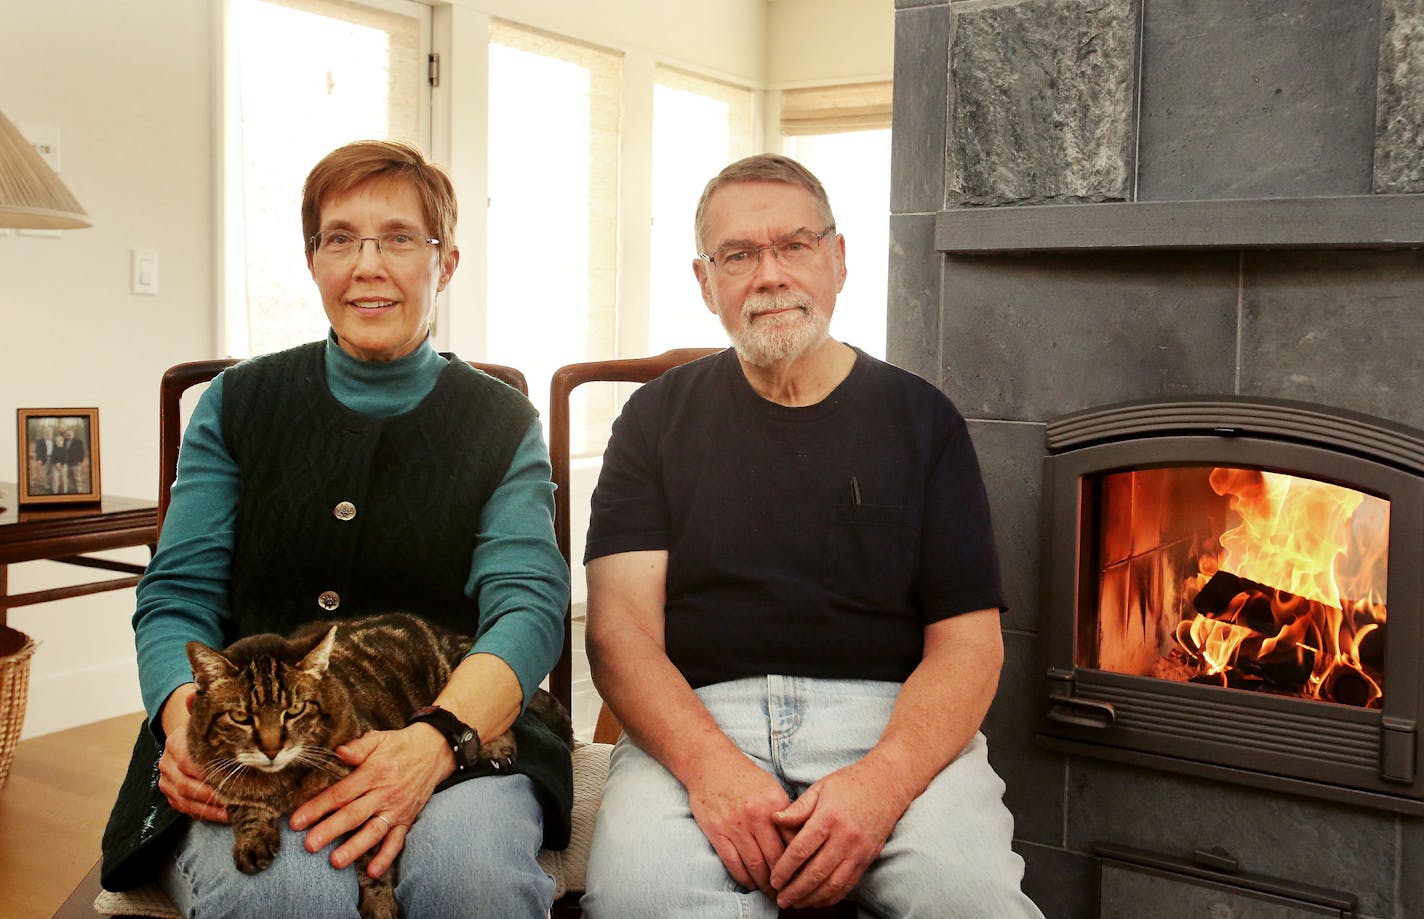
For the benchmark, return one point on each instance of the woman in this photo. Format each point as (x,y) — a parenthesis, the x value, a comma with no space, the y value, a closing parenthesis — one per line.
(444,475)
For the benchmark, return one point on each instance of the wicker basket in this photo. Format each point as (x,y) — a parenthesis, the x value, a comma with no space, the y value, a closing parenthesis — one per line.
(16,649)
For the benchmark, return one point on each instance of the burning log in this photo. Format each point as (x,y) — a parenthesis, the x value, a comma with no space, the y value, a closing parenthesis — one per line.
(1217,600)
(1285,665)
(1370,647)
(1347,685)
(1275,622)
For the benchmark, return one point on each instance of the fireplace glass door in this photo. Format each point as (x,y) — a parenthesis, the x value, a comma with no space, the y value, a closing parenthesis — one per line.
(1233,589)
(1243,578)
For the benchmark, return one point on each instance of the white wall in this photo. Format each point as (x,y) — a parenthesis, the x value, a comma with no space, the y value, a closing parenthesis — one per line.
(824,42)
(130,86)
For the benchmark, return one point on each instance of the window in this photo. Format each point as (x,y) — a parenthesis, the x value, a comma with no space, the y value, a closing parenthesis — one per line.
(303,77)
(699,126)
(842,134)
(552,285)
(854,167)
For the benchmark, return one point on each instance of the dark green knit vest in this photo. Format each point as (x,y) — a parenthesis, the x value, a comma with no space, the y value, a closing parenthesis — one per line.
(416,482)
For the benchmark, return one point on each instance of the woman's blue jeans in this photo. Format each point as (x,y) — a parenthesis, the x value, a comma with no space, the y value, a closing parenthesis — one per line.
(471,853)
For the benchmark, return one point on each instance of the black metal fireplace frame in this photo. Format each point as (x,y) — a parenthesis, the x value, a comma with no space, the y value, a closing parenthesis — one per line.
(1337,752)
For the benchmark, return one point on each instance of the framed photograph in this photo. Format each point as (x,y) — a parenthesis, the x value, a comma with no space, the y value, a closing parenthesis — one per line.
(59,455)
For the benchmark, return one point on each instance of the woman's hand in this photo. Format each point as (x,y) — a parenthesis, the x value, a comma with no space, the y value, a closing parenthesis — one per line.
(179,778)
(394,775)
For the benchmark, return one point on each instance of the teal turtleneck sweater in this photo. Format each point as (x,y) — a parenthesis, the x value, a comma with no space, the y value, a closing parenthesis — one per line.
(517,572)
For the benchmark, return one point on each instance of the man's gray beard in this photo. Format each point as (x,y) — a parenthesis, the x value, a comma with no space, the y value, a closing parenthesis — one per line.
(772,339)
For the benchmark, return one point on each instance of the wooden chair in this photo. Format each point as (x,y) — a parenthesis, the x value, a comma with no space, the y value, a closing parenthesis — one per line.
(565,380)
(176,381)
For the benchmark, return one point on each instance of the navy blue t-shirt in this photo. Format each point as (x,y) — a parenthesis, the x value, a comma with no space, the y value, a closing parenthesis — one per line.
(813,541)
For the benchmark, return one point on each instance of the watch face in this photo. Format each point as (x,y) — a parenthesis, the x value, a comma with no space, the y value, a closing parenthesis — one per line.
(469,747)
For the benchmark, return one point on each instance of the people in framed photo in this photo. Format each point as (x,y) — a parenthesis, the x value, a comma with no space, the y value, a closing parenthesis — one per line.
(59,455)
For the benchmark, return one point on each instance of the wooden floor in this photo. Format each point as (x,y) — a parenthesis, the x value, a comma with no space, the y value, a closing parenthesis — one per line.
(52,812)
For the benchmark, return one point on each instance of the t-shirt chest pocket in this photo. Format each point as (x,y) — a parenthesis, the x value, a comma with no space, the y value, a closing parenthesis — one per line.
(871,553)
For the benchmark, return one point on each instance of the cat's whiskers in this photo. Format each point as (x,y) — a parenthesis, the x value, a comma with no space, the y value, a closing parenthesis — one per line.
(319,757)
(221,772)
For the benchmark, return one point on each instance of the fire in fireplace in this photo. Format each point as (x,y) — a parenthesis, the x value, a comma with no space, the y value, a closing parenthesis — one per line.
(1233,589)
(1245,578)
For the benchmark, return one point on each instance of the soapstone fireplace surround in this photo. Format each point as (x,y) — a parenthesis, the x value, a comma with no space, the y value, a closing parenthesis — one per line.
(1104,202)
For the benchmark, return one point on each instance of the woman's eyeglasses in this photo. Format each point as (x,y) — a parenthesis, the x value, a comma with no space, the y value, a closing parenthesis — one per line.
(341,246)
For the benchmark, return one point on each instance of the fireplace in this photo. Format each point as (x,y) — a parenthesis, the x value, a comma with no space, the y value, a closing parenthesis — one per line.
(1233,591)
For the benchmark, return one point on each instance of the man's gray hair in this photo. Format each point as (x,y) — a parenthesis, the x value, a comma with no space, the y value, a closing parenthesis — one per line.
(763,167)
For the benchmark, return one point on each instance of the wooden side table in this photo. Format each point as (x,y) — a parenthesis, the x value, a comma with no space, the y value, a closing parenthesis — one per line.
(64,534)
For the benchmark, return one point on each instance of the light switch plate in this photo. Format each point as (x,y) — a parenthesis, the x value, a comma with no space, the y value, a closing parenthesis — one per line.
(144,272)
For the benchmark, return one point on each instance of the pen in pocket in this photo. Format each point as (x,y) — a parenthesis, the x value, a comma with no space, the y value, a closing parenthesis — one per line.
(854,492)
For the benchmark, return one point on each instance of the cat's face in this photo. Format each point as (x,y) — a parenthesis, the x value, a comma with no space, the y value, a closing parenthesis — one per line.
(263,704)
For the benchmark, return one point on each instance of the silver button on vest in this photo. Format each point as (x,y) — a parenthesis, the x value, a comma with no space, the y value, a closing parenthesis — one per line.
(329,600)
(344,511)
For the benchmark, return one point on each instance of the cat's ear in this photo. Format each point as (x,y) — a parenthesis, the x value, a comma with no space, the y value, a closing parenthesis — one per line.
(209,666)
(319,657)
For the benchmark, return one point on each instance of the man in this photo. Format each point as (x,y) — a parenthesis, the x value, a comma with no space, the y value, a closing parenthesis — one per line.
(63,464)
(793,608)
(44,454)
(72,456)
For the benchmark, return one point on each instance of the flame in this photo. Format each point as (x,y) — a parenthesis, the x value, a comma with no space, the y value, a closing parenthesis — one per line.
(1321,550)
(1291,533)
(1216,642)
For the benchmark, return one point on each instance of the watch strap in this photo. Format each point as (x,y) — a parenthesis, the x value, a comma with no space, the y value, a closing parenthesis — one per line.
(464,741)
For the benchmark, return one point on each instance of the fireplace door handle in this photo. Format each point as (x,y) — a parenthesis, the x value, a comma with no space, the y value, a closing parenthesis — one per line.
(1087,713)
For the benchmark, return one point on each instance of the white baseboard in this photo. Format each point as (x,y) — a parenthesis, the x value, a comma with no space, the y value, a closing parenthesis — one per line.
(65,700)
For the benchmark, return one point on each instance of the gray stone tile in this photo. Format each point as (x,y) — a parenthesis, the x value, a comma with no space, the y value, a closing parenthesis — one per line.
(917,140)
(1034,778)
(1011,460)
(1125,888)
(908,4)
(1281,836)
(1032,338)
(1339,328)
(912,326)
(1257,98)
(1399,120)
(1411,868)
(1040,102)
(1059,882)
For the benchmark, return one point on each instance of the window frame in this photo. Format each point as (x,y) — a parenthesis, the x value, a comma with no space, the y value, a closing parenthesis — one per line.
(231,333)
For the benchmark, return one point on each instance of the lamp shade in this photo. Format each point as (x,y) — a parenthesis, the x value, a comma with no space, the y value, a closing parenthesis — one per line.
(31,195)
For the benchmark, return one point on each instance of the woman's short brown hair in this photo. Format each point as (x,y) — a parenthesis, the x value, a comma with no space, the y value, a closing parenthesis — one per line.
(346,168)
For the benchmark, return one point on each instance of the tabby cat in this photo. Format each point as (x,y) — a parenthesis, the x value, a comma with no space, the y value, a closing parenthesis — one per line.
(271,711)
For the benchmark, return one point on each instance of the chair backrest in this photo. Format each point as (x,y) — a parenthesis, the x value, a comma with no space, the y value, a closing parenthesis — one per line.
(179,378)
(565,380)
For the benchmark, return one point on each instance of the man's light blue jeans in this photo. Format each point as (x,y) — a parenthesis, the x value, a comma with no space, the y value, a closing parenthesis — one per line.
(948,857)
(472,852)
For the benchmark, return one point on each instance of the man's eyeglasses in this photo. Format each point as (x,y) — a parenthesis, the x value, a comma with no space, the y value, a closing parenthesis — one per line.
(790,250)
(341,246)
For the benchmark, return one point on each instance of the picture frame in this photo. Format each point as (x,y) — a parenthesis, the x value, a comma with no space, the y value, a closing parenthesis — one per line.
(58,455)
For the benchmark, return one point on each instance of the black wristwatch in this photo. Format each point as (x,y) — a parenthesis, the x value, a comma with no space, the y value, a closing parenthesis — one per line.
(464,740)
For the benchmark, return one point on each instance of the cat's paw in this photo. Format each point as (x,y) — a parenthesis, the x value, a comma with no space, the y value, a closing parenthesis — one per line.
(256,851)
(377,897)
(499,754)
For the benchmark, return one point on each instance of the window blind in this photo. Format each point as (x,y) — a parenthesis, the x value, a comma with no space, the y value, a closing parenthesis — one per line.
(836,109)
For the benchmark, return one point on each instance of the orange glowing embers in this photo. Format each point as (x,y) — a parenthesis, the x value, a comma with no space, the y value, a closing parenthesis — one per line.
(1244,578)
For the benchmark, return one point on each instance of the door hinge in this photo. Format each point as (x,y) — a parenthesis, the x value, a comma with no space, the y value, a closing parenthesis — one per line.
(432,71)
